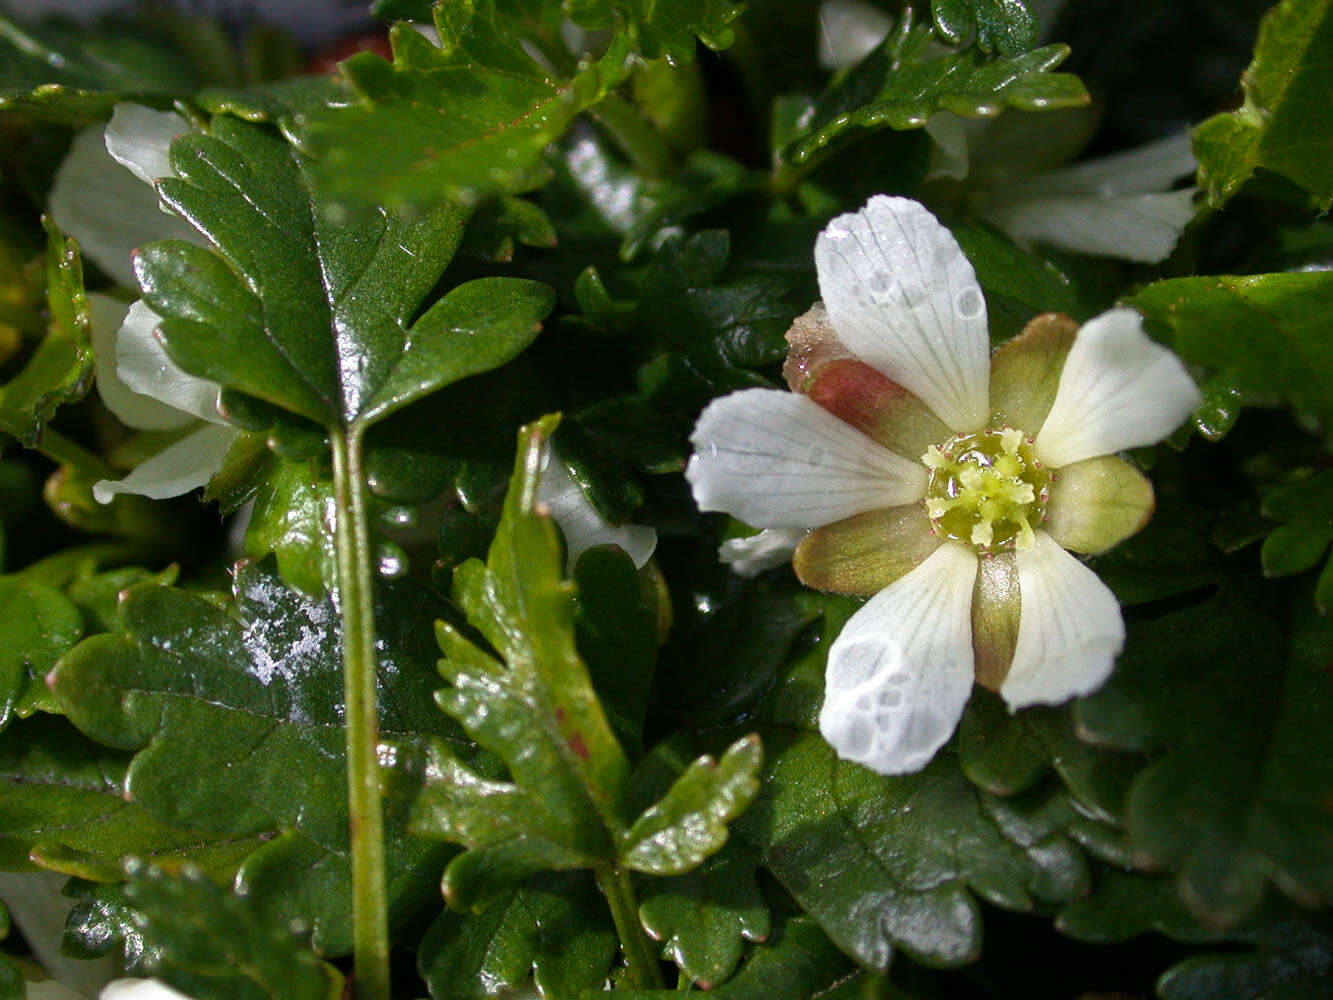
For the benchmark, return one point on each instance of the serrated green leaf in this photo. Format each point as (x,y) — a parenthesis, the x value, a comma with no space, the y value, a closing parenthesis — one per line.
(63,808)
(1293,961)
(224,708)
(1006,25)
(61,368)
(38,625)
(689,823)
(900,85)
(213,945)
(555,928)
(888,863)
(293,518)
(310,313)
(1263,334)
(1305,510)
(1286,122)
(467,119)
(666,28)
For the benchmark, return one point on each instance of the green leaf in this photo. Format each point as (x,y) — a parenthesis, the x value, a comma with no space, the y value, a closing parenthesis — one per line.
(101,921)
(1292,961)
(227,706)
(311,313)
(63,808)
(689,823)
(1006,25)
(293,518)
(61,368)
(1306,512)
(901,84)
(886,863)
(665,27)
(37,626)
(1232,697)
(213,945)
(535,709)
(1262,335)
(556,928)
(1286,122)
(467,119)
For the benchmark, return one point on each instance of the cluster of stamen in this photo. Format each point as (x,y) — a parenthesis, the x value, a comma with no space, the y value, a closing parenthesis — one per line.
(986,489)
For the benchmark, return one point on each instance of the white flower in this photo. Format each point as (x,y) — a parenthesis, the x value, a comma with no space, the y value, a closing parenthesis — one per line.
(103,196)
(943,481)
(1119,206)
(582,525)
(120,989)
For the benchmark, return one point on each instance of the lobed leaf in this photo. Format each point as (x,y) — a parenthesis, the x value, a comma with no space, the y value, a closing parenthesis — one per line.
(1305,512)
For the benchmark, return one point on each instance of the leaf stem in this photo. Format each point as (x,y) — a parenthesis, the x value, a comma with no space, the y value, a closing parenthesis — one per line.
(640,958)
(370,925)
(64,451)
(634,134)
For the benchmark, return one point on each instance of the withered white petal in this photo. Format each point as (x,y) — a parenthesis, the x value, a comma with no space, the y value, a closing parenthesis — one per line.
(849,30)
(1138,227)
(1118,390)
(582,526)
(1153,167)
(778,460)
(179,468)
(900,673)
(1069,628)
(145,367)
(769,549)
(139,139)
(140,989)
(133,409)
(902,297)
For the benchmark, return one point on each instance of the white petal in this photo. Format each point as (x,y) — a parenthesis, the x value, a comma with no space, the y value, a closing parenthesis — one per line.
(754,554)
(903,298)
(849,31)
(1154,167)
(179,468)
(1138,227)
(106,208)
(1069,628)
(779,460)
(140,138)
(140,989)
(583,527)
(901,671)
(146,368)
(1118,390)
(131,408)
(948,157)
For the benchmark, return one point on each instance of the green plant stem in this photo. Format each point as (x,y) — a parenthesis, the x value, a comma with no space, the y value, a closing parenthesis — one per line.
(640,957)
(61,449)
(370,925)
(634,134)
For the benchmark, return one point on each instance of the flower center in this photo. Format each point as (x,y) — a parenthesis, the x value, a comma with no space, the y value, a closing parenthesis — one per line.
(986,489)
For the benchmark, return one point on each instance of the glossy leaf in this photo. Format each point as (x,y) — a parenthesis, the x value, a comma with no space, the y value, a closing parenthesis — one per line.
(1286,120)
(311,314)
(665,28)
(1007,26)
(900,85)
(1305,510)
(212,945)
(38,624)
(1261,334)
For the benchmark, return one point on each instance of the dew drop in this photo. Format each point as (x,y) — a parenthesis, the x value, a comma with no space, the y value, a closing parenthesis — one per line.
(970,303)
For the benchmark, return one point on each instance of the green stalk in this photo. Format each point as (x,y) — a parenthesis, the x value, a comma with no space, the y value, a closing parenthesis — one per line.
(63,451)
(640,957)
(370,925)
(634,134)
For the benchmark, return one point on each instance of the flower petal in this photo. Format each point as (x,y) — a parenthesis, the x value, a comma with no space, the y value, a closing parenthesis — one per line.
(877,407)
(1069,630)
(139,139)
(1025,371)
(145,367)
(811,344)
(582,526)
(131,408)
(1098,503)
(901,671)
(1152,167)
(179,468)
(948,157)
(753,554)
(865,553)
(903,298)
(777,460)
(996,607)
(108,210)
(1138,227)
(1118,390)
(140,989)
(849,31)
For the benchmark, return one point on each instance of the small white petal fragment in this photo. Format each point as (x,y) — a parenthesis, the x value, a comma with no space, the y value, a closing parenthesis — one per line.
(769,549)
(779,460)
(179,468)
(904,299)
(140,989)
(1153,167)
(583,527)
(1138,227)
(145,367)
(849,30)
(131,408)
(139,139)
(106,208)
(1118,390)
(901,671)
(948,157)
(1069,628)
